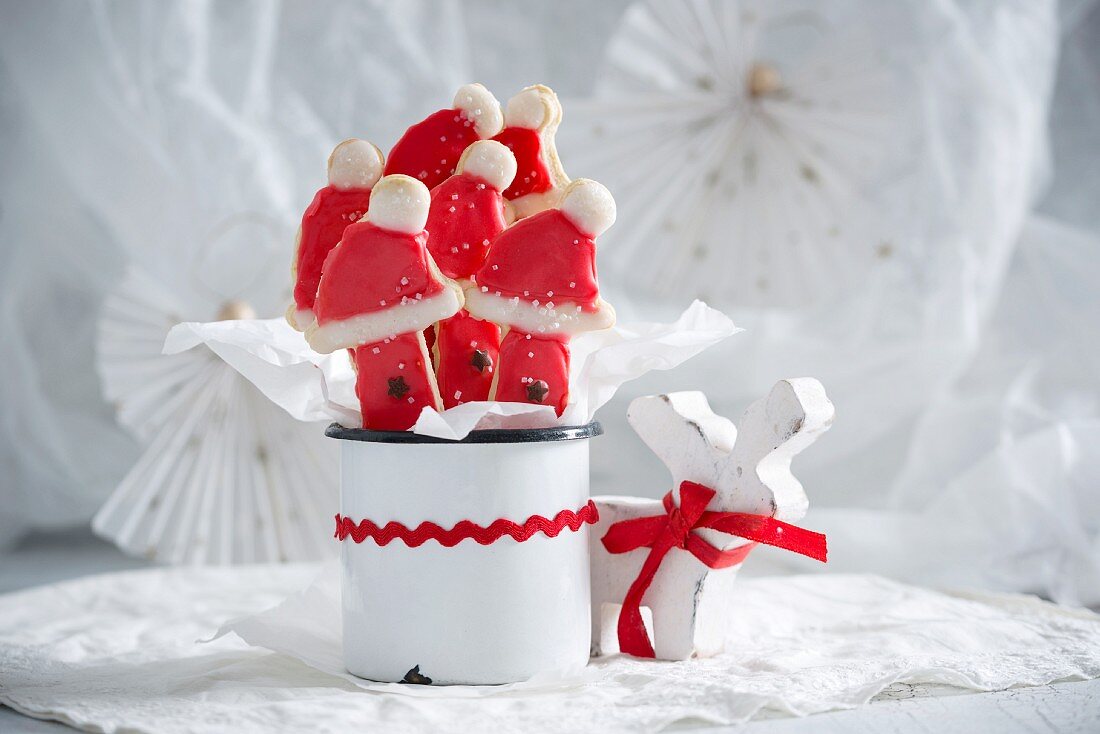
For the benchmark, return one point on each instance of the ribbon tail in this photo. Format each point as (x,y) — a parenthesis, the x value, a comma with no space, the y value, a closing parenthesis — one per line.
(769,531)
(633,639)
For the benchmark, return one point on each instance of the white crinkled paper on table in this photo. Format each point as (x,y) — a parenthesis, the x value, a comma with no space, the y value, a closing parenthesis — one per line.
(125,652)
(316,387)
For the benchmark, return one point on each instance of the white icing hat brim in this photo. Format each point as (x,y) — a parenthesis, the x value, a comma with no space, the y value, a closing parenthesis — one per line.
(404,318)
(566,318)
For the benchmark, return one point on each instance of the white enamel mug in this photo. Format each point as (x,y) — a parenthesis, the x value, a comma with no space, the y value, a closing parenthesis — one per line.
(470,613)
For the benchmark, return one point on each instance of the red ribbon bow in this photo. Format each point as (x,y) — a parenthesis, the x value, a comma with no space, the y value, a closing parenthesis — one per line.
(675,529)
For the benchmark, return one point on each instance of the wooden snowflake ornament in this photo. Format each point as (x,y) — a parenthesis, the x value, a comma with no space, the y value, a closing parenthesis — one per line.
(731,489)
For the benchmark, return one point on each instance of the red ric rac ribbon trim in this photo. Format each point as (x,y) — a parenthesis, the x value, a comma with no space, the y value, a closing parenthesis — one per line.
(676,529)
(425,531)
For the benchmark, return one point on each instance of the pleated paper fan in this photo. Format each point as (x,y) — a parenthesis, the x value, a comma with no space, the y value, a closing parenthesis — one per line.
(743,141)
(226,476)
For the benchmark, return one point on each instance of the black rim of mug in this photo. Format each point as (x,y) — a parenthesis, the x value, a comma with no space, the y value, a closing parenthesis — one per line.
(493,435)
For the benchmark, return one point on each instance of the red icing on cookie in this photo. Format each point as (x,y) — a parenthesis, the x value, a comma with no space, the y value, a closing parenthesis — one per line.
(532,171)
(467,353)
(430,149)
(393,383)
(465,216)
(544,258)
(534,370)
(323,224)
(372,270)
(429,340)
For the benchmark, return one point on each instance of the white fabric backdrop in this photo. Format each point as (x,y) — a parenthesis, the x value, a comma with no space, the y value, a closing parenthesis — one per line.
(966,380)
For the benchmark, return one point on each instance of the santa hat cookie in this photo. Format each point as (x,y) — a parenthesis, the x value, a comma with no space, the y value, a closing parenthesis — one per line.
(539,280)
(429,150)
(380,280)
(353,169)
(467,214)
(540,274)
(467,210)
(379,289)
(530,121)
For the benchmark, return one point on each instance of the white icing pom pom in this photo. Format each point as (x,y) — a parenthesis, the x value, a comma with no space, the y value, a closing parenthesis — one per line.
(399,203)
(527,109)
(490,161)
(480,106)
(589,206)
(354,164)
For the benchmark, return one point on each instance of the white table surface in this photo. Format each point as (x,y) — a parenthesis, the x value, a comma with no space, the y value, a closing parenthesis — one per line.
(1062,707)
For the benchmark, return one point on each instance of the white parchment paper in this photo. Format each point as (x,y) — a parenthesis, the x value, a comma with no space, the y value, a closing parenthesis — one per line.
(314,387)
(122,652)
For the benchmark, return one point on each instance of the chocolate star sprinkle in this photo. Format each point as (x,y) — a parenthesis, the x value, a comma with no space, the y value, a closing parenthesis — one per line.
(398,387)
(481,360)
(536,391)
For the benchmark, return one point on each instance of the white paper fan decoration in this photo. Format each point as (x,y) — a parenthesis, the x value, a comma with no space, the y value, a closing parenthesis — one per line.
(740,140)
(226,476)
